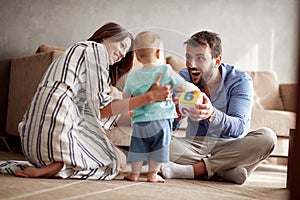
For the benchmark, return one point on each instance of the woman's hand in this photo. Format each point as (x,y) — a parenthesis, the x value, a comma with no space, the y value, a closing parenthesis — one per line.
(158,92)
(202,111)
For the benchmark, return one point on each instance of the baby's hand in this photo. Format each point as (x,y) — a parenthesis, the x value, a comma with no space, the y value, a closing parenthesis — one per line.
(190,87)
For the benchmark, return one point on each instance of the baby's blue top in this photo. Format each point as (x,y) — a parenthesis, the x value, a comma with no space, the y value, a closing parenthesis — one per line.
(140,81)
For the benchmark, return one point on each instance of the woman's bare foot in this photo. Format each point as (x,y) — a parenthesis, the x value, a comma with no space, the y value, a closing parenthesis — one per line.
(154,177)
(132,176)
(47,171)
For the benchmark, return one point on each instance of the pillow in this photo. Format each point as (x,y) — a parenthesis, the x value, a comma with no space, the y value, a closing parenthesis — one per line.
(47,48)
(266,90)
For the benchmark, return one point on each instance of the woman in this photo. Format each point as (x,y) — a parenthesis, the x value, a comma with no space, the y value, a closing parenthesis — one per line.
(63,132)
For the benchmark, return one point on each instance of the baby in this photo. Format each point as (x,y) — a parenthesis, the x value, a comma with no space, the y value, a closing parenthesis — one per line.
(152,123)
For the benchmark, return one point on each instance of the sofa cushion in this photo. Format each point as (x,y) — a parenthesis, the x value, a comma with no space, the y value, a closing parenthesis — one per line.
(279,121)
(266,90)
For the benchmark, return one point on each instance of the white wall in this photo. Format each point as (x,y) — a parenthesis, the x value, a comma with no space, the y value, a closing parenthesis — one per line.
(256,34)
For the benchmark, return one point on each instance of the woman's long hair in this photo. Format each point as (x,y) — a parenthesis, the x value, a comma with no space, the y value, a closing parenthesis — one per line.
(116,33)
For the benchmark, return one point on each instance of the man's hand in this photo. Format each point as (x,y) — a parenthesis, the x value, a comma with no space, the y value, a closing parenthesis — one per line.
(202,111)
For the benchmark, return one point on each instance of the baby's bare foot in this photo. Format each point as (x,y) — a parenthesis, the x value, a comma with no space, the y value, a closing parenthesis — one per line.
(132,176)
(154,177)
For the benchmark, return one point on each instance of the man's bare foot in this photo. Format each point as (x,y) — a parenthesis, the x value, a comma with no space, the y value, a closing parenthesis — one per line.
(154,177)
(47,171)
(132,177)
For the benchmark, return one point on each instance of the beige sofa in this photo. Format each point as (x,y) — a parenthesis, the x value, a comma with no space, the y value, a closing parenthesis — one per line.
(274,105)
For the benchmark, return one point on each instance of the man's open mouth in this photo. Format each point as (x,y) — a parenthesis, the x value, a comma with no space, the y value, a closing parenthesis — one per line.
(194,71)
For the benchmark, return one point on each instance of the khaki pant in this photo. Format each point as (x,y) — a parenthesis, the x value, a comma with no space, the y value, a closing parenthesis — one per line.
(221,154)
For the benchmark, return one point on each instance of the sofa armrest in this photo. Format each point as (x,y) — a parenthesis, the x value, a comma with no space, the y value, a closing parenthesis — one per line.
(25,75)
(289,96)
(279,121)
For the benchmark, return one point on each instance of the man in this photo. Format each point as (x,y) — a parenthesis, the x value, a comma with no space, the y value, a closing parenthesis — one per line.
(218,141)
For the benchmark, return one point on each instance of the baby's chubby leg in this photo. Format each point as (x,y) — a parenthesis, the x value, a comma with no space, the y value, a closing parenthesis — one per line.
(136,168)
(152,175)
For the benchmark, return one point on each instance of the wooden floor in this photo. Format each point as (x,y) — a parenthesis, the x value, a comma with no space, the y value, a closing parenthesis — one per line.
(267,182)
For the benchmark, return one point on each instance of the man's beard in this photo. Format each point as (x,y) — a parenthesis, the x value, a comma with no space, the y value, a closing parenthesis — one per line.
(202,80)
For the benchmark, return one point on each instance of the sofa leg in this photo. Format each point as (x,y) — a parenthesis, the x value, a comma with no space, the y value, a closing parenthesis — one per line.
(289,164)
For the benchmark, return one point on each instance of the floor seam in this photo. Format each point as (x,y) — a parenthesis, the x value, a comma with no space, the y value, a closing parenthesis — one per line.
(102,191)
(41,191)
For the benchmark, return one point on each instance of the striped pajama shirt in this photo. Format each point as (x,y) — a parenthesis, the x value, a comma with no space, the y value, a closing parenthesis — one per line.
(62,122)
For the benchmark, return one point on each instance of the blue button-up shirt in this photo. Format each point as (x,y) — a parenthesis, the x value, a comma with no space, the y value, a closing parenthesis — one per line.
(233,103)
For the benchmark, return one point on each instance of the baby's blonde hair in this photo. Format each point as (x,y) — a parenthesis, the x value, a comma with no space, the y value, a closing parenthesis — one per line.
(147,40)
